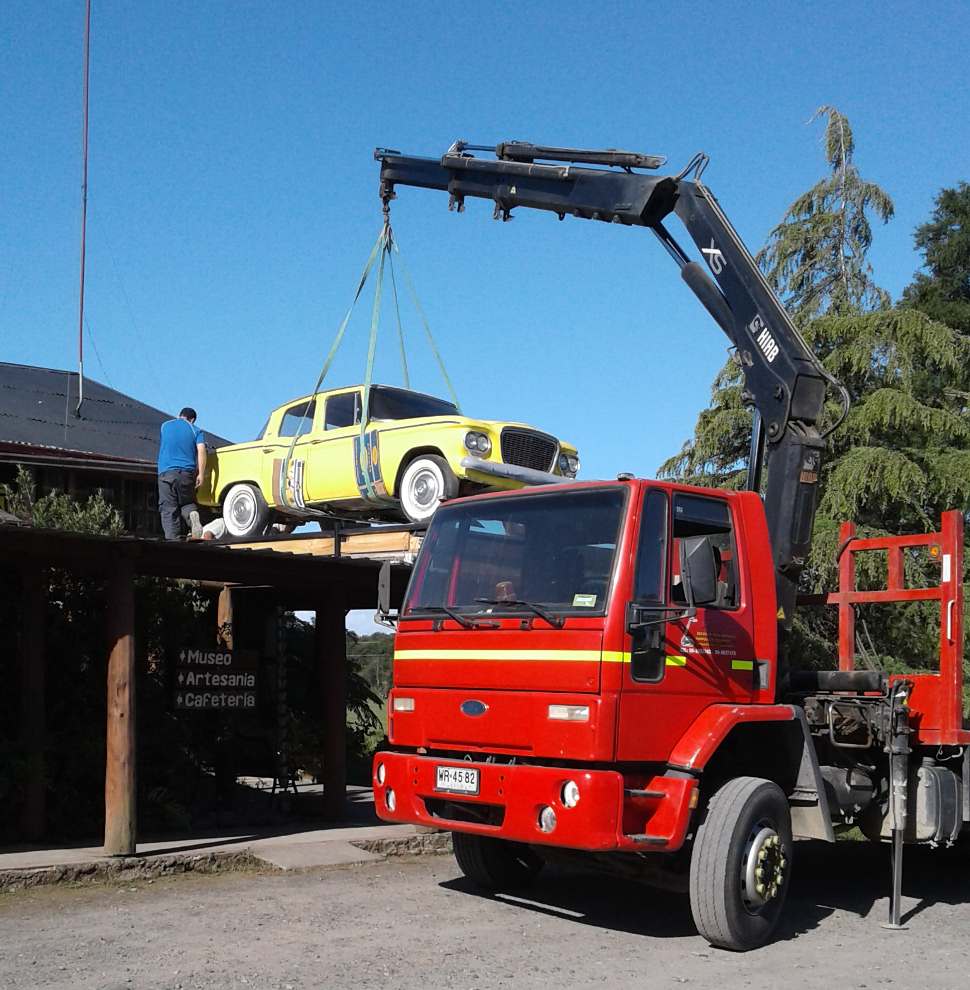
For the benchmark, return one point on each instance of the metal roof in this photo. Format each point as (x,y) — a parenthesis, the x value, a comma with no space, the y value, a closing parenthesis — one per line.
(37,414)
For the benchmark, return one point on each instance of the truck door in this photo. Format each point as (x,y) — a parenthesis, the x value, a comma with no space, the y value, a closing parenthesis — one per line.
(680,664)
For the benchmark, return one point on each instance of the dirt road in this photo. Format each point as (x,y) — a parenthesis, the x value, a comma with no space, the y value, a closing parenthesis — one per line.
(417,923)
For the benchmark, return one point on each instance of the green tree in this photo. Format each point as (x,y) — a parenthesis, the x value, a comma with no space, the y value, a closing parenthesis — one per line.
(901,458)
(816,257)
(59,511)
(944,240)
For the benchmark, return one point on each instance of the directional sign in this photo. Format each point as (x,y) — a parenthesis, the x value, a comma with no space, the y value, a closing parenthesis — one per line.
(223,700)
(215,679)
(218,659)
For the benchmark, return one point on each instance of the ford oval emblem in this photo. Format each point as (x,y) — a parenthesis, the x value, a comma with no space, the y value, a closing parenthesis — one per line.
(474,707)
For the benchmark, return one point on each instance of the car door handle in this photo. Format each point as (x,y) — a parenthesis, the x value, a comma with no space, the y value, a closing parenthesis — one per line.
(268,450)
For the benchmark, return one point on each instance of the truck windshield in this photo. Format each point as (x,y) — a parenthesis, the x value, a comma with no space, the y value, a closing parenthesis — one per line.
(553,550)
(397,403)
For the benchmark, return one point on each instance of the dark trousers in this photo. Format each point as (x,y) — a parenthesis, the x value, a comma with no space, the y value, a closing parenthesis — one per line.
(176,499)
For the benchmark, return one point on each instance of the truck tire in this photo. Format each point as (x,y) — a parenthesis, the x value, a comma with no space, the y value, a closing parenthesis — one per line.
(426,483)
(496,864)
(245,511)
(747,828)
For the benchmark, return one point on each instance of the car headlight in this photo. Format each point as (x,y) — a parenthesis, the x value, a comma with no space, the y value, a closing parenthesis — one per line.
(569,465)
(477,442)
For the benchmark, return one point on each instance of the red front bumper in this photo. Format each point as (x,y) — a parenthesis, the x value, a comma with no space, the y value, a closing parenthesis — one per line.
(650,815)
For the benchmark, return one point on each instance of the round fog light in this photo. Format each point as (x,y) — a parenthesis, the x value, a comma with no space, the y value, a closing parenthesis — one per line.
(390,799)
(380,773)
(570,794)
(547,819)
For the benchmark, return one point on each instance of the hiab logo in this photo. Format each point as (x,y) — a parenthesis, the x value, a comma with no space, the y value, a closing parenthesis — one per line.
(764,340)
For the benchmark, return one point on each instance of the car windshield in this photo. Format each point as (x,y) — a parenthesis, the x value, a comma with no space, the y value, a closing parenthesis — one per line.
(553,550)
(397,403)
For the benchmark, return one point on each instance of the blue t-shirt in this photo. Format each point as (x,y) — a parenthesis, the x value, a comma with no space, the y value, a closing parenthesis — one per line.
(177,450)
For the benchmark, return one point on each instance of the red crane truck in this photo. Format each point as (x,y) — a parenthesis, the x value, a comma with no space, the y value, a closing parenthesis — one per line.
(597,672)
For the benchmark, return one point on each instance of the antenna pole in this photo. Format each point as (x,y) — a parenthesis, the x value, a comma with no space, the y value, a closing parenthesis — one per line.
(84,217)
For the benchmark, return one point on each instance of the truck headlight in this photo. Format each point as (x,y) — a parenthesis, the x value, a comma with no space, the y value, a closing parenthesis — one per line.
(570,794)
(403,704)
(477,442)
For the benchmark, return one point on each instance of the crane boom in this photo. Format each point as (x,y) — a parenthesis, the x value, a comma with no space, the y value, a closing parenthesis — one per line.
(783,380)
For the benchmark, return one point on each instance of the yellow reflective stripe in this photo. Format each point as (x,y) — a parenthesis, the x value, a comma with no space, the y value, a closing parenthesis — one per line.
(615,656)
(589,656)
(676,661)
(742,665)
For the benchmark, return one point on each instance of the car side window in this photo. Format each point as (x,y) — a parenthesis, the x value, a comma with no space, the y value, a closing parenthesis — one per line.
(297,420)
(709,518)
(342,410)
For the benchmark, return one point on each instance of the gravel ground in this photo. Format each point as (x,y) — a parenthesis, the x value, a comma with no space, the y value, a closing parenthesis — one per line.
(417,923)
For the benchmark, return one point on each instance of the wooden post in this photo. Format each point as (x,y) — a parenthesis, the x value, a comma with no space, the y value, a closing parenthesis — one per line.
(32,704)
(330,648)
(224,618)
(119,784)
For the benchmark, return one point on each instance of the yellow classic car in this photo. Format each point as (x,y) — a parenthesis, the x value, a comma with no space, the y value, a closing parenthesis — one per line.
(414,452)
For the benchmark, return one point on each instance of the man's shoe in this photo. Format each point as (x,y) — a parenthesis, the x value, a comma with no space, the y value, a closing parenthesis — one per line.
(195,524)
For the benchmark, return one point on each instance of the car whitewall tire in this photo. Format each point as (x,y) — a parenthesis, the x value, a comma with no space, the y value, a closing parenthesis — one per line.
(245,511)
(426,483)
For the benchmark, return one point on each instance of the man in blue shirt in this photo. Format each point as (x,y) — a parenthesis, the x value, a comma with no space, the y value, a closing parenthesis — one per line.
(181,465)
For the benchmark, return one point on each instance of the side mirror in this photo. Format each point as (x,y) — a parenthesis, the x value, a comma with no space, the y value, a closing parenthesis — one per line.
(697,570)
(383,615)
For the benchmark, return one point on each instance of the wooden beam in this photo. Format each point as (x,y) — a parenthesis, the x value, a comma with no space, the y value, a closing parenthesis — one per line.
(32,702)
(119,784)
(330,648)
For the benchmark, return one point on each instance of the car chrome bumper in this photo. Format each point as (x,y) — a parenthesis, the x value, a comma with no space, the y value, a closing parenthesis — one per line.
(528,476)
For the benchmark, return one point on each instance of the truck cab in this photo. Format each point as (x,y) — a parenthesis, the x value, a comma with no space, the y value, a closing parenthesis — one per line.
(546,629)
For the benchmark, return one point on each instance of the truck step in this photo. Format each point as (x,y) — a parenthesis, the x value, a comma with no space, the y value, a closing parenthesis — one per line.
(633,792)
(649,840)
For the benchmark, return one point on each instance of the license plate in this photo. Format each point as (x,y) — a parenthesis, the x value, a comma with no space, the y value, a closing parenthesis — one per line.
(458,780)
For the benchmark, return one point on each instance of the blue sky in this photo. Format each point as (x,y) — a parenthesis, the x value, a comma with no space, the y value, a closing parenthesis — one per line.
(233,195)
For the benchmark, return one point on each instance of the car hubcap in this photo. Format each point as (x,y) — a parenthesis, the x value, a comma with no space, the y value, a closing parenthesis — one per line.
(762,867)
(242,510)
(425,489)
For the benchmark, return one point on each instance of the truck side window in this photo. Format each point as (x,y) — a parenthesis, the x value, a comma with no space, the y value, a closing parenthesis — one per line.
(297,420)
(695,515)
(647,655)
(342,410)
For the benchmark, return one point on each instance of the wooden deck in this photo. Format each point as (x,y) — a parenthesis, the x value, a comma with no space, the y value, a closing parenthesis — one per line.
(395,543)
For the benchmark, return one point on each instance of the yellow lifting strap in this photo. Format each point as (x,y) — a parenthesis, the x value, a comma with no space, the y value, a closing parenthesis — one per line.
(291,482)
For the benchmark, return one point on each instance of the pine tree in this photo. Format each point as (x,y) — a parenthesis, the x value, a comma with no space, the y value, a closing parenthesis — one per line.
(900,459)
(815,259)
(944,240)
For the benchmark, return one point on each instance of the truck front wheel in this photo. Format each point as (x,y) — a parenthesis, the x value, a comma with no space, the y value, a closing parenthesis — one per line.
(495,863)
(741,864)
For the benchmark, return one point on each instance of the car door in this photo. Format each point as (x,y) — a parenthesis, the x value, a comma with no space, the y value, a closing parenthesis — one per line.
(330,474)
(288,480)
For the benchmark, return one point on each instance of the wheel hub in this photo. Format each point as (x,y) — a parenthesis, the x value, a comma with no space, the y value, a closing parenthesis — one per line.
(242,510)
(424,491)
(763,871)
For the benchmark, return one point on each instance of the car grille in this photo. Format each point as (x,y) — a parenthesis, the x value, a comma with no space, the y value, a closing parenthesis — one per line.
(526,448)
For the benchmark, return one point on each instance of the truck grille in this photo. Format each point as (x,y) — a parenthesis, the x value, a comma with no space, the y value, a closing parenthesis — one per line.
(529,449)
